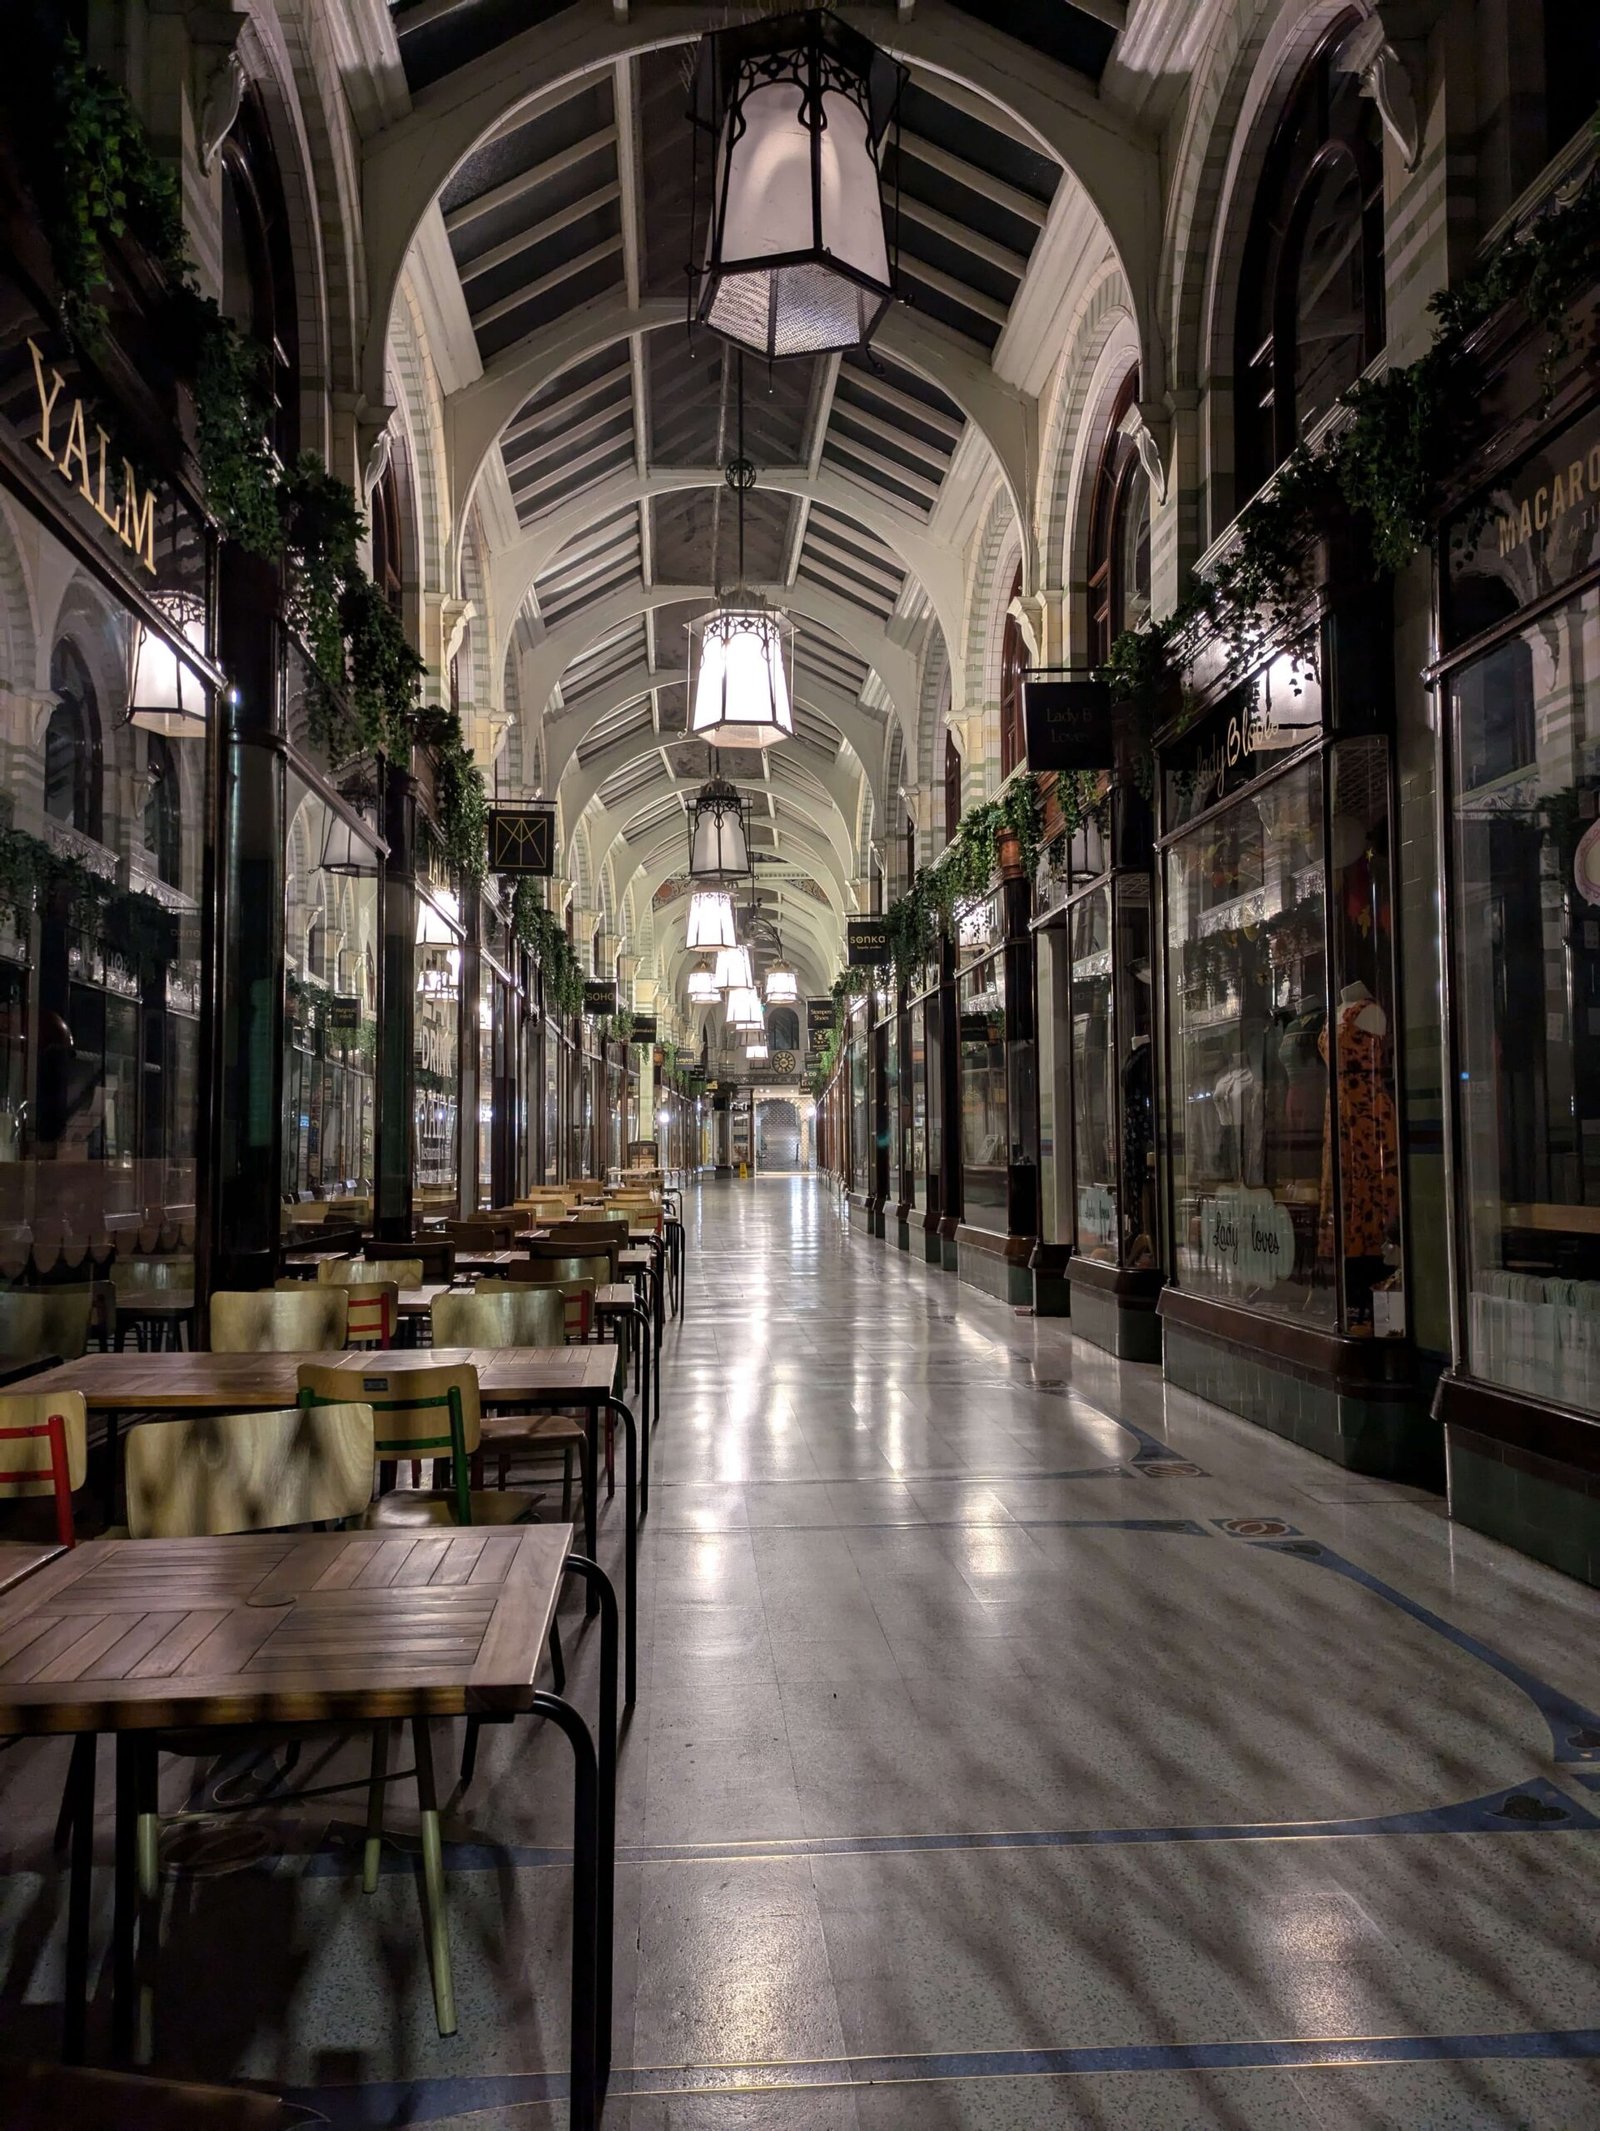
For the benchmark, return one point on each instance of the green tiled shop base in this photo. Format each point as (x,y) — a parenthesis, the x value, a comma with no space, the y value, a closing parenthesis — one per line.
(949,1254)
(1541,1508)
(1052,1295)
(1392,1439)
(996,1276)
(1131,1335)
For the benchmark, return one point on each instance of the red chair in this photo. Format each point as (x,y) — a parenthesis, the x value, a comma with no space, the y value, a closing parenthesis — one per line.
(55,1428)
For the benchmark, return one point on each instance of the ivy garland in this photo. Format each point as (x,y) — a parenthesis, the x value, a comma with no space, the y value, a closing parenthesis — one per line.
(541,932)
(1380,472)
(33,876)
(619,1028)
(96,179)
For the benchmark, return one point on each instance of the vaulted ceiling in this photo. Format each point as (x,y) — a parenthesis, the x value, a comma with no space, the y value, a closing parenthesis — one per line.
(604,425)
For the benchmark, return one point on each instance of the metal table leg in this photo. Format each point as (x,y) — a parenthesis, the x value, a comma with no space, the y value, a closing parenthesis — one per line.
(591,1928)
(596,1580)
(630,1514)
(80,1821)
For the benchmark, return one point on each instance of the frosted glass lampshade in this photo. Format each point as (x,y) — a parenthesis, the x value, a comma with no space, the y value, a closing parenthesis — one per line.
(783,986)
(744,1008)
(755,1051)
(347,852)
(733,970)
(796,259)
(740,655)
(710,919)
(718,848)
(165,694)
(703,985)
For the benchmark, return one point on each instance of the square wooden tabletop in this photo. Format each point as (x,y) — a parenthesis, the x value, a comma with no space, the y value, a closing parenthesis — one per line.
(239,1383)
(125,1634)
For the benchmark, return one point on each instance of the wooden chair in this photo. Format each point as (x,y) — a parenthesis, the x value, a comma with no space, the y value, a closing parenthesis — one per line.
(44,1324)
(421,1413)
(480,1234)
(577,1277)
(295,1318)
(249,1472)
(373,1312)
(203,1477)
(434,1254)
(53,1430)
(578,1239)
(516,1315)
(365,1272)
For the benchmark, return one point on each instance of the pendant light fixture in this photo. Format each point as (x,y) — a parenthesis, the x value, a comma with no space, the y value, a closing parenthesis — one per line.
(783,986)
(797,260)
(744,1008)
(165,694)
(741,653)
(710,919)
(756,1052)
(734,971)
(719,849)
(702,986)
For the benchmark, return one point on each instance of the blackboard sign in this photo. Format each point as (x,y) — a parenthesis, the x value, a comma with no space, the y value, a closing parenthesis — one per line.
(344,1014)
(866,943)
(644,1028)
(1067,721)
(522,840)
(600,997)
(819,1017)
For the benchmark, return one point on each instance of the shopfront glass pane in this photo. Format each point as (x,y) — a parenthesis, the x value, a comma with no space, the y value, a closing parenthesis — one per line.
(100,975)
(552,1103)
(1526,943)
(985,1145)
(435,1116)
(889,1129)
(1249,1119)
(331,955)
(1094,1097)
(1055,1088)
(860,1120)
(1135,1091)
(917,1124)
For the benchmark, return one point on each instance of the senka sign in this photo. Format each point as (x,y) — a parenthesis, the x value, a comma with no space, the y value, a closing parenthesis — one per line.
(106,481)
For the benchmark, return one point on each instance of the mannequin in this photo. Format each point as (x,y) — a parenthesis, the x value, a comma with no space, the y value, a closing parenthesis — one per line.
(1369,1168)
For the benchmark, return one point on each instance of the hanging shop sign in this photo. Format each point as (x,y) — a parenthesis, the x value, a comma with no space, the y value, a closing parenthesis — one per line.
(1067,720)
(1537,527)
(1250,732)
(600,997)
(344,1014)
(819,1018)
(644,1029)
(866,943)
(522,841)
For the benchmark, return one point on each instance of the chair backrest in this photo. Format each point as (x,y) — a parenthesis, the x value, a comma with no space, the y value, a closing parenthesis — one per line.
(577,1297)
(372,1315)
(480,1234)
(297,1318)
(568,1250)
(513,1314)
(147,1272)
(249,1472)
(42,1321)
(44,1449)
(416,1413)
(366,1272)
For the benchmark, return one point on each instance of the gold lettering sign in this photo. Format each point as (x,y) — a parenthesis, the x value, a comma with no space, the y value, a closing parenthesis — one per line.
(64,439)
(1572,486)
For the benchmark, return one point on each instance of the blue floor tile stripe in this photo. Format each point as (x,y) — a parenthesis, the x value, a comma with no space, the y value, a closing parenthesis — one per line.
(421,2101)
(1534,1807)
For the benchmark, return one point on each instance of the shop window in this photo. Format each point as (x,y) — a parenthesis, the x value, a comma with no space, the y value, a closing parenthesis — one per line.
(163,813)
(1013,665)
(1526,983)
(952,787)
(258,292)
(72,743)
(1119,532)
(1310,315)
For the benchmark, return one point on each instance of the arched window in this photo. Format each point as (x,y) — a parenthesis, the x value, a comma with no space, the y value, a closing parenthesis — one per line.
(1013,665)
(1311,291)
(783,1029)
(72,743)
(952,786)
(911,851)
(1119,532)
(384,511)
(258,263)
(163,824)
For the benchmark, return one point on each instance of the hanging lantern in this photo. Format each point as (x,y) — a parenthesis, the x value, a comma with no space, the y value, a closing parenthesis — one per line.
(744,1008)
(756,1052)
(710,919)
(165,693)
(783,986)
(734,971)
(718,847)
(797,259)
(346,851)
(703,989)
(740,656)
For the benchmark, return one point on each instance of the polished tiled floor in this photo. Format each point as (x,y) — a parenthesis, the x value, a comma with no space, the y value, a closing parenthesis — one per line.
(1019,1745)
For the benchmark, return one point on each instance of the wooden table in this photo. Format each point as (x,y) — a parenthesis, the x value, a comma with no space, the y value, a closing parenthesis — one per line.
(23,1557)
(137,1636)
(298,1262)
(496,1261)
(544,1378)
(167,1307)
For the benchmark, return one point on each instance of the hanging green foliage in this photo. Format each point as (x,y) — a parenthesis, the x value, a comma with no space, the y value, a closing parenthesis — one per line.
(541,932)
(34,876)
(1379,474)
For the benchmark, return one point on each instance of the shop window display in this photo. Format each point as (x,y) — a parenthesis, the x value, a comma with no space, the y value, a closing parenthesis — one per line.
(981,1029)
(860,1115)
(1285,1161)
(1526,975)
(437,1037)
